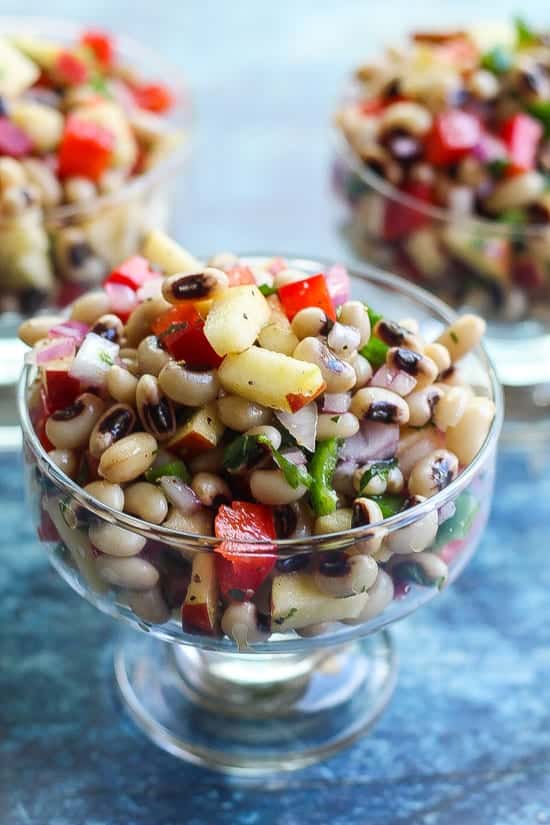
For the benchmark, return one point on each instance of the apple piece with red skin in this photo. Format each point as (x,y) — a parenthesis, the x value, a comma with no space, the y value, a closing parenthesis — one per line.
(200,612)
(202,432)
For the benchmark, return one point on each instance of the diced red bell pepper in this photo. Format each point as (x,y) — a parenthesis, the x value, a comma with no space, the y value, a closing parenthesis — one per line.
(133,272)
(61,388)
(180,331)
(311,292)
(521,134)
(85,149)
(46,530)
(240,275)
(452,136)
(241,568)
(373,106)
(102,45)
(154,97)
(39,413)
(400,219)
(13,141)
(70,68)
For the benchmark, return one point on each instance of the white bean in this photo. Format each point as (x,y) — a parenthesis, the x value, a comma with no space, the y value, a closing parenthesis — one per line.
(128,458)
(112,495)
(345,577)
(241,415)
(380,596)
(271,487)
(148,605)
(115,541)
(240,623)
(146,501)
(354,314)
(133,573)
(462,336)
(466,438)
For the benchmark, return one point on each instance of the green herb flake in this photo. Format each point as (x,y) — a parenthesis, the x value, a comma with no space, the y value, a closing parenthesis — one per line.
(100,86)
(335,419)
(267,290)
(497,167)
(454,336)
(106,358)
(374,316)
(379,469)
(172,468)
(540,109)
(375,352)
(525,36)
(498,60)
(282,619)
(390,504)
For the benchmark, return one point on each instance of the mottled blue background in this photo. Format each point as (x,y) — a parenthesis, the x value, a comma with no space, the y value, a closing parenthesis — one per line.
(466,740)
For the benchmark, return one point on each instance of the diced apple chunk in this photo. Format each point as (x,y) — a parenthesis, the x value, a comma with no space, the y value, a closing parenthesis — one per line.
(236,318)
(168,255)
(271,378)
(296,603)
(201,432)
(200,612)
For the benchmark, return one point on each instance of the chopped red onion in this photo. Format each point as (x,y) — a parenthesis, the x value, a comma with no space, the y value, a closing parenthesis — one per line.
(489,148)
(276,265)
(390,378)
(93,360)
(418,445)
(181,495)
(336,402)
(123,298)
(58,349)
(301,425)
(294,455)
(338,283)
(70,329)
(373,441)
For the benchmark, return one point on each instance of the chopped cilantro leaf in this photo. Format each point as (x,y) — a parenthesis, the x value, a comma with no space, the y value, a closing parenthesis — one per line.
(106,358)
(454,336)
(498,60)
(525,36)
(266,290)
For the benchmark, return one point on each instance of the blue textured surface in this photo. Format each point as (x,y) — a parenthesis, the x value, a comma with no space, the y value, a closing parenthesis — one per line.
(466,738)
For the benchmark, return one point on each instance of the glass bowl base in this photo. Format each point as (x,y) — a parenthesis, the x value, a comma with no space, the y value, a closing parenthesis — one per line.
(254,714)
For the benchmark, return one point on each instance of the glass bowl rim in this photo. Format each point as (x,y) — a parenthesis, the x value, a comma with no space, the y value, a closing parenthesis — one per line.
(133,53)
(473,223)
(404,518)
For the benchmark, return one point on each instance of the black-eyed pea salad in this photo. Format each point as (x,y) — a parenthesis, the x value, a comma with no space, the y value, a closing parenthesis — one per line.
(250,402)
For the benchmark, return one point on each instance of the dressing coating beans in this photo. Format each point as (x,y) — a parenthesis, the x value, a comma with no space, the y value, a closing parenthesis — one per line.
(70,427)
(338,375)
(310,322)
(151,357)
(189,387)
(121,385)
(193,286)
(110,494)
(133,573)
(377,404)
(128,458)
(35,329)
(354,314)
(115,541)
(271,487)
(88,308)
(241,415)
(139,322)
(462,336)
(117,422)
(146,501)
(66,460)
(155,410)
(433,473)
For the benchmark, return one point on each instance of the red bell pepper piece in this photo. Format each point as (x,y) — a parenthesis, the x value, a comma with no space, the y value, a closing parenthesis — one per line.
(240,275)
(452,136)
(85,149)
(61,388)
(180,331)
(400,219)
(101,44)
(46,530)
(241,568)
(39,413)
(311,292)
(133,272)
(70,68)
(521,134)
(154,97)
(373,106)
(13,140)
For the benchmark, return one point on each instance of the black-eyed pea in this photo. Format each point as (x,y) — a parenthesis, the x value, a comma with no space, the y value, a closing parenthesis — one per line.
(148,605)
(271,487)
(431,569)
(151,358)
(377,404)
(433,473)
(146,501)
(363,370)
(462,336)
(394,335)
(408,116)
(343,340)
(366,511)
(411,324)
(155,409)
(271,433)
(241,415)
(139,323)
(116,541)
(354,314)
(380,596)
(451,407)
(440,356)
(240,623)
(91,306)
(189,387)
(112,495)
(310,322)
(179,288)
(35,329)
(338,375)
(414,537)
(375,486)
(70,427)
(131,573)
(340,575)
(423,404)
(116,423)
(121,385)
(422,368)
(199,523)
(466,438)
(344,425)
(110,327)
(335,522)
(395,481)
(211,489)
(211,461)
(128,458)
(67,461)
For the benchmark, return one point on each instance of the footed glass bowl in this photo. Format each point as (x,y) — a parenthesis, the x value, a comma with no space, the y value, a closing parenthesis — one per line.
(312,674)
(498,270)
